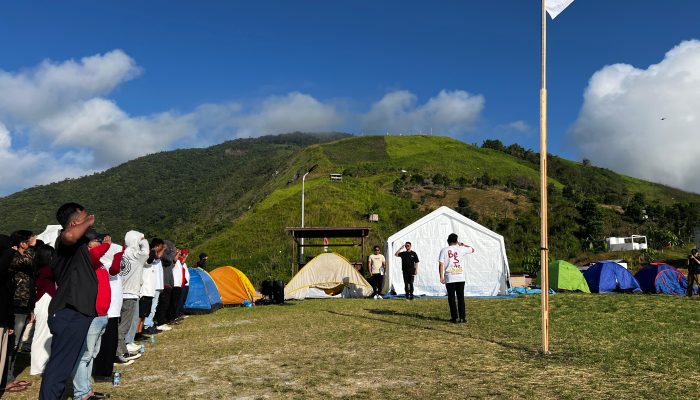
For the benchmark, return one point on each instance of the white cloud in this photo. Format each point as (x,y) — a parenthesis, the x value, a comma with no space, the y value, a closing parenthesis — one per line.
(450,112)
(40,167)
(276,114)
(58,120)
(519,126)
(645,122)
(36,93)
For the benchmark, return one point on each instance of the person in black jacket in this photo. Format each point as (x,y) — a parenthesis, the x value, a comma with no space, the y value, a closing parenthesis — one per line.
(72,309)
(693,271)
(7,315)
(22,275)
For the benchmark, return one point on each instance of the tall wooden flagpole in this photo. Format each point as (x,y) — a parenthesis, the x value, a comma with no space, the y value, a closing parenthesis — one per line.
(544,247)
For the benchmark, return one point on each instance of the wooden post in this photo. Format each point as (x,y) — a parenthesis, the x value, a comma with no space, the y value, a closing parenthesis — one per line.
(544,247)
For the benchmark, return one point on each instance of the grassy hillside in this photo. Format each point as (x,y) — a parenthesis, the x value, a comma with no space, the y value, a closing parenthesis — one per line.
(186,195)
(396,178)
(234,200)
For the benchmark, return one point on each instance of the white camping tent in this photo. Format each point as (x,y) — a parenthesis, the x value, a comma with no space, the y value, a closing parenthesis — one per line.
(327,275)
(50,234)
(487,272)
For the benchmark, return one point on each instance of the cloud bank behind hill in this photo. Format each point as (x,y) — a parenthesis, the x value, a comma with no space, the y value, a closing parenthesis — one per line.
(646,122)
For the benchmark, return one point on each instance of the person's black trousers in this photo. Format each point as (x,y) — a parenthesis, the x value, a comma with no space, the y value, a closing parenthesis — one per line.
(376,281)
(408,282)
(104,362)
(69,329)
(693,279)
(455,296)
(174,303)
(162,307)
(183,300)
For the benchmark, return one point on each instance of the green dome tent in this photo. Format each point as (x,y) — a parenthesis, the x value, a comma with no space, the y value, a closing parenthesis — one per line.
(565,276)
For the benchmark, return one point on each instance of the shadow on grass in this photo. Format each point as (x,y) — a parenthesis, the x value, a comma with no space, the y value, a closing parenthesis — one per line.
(505,345)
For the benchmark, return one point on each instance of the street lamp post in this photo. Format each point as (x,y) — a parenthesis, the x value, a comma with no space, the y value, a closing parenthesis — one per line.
(303,179)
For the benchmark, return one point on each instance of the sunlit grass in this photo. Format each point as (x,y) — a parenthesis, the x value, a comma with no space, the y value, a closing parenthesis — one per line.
(602,346)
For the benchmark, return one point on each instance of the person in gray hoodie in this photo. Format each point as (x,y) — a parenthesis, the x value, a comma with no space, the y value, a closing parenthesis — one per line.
(135,256)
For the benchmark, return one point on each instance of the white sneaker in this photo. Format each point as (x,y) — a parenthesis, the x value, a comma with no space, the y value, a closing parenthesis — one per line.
(164,327)
(133,347)
(379,296)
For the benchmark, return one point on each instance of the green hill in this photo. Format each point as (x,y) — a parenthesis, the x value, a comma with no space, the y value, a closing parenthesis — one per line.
(234,200)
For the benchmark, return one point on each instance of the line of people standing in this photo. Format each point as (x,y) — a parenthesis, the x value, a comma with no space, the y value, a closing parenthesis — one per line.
(90,301)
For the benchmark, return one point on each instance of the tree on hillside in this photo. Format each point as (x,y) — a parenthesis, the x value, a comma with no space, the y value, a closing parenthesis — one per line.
(493,144)
(635,208)
(591,221)
(464,208)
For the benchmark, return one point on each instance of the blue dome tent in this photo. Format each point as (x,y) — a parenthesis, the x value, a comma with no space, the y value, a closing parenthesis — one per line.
(203,296)
(608,276)
(662,278)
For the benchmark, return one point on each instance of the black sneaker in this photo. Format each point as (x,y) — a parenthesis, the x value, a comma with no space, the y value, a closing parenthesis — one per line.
(131,356)
(103,379)
(140,337)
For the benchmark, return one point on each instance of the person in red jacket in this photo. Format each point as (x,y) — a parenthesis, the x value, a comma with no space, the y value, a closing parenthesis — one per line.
(82,382)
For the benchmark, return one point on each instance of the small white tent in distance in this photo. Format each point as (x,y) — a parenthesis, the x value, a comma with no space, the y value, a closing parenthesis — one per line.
(487,272)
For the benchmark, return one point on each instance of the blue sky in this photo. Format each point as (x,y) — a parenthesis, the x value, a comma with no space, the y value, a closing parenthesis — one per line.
(87,85)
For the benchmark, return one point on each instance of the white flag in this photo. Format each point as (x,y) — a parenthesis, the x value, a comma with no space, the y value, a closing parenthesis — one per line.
(555,7)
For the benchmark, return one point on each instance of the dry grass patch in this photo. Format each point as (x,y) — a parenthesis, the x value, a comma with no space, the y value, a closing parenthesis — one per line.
(616,346)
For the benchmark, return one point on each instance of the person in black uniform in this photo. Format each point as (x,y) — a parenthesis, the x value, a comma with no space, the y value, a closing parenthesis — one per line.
(693,271)
(409,267)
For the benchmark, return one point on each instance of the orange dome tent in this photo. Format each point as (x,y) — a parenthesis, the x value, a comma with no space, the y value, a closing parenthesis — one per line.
(233,285)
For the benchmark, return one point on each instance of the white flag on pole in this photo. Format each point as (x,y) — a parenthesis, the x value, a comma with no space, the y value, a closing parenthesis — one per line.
(555,7)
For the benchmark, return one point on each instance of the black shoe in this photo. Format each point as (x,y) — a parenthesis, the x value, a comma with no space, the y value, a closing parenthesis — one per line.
(453,321)
(152,330)
(462,321)
(140,337)
(102,379)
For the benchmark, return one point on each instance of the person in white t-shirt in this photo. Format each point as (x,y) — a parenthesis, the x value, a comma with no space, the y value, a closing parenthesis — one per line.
(376,264)
(453,263)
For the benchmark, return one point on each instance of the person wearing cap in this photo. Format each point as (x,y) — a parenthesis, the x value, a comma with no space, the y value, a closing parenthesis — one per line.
(452,265)
(82,372)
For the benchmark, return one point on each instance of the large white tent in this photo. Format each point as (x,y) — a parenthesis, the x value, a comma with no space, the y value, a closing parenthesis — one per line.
(328,275)
(486,273)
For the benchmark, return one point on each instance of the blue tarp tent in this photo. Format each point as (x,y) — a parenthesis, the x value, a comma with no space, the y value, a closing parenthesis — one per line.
(608,276)
(203,296)
(662,278)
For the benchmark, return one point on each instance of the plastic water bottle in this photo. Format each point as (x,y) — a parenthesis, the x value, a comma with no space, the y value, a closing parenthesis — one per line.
(153,339)
(117,378)
(142,349)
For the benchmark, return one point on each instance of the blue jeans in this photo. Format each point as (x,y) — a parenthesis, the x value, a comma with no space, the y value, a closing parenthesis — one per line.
(148,322)
(82,384)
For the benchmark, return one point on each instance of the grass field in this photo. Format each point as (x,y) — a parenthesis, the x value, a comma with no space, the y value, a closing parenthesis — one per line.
(603,346)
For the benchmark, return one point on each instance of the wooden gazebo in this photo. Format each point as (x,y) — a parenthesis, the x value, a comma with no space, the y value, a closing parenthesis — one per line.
(356,236)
